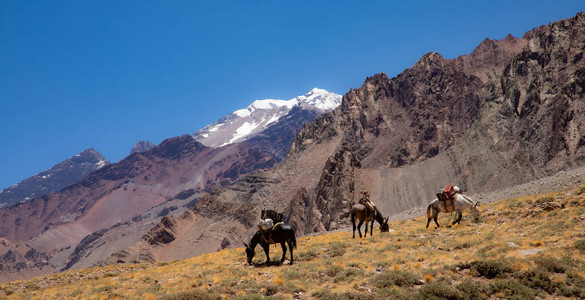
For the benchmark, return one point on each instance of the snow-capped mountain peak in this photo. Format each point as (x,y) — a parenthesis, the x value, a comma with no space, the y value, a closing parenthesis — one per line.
(243,123)
(320,98)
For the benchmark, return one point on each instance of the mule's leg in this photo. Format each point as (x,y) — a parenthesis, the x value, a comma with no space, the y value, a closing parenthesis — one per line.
(371,228)
(290,247)
(353,223)
(429,221)
(435,216)
(366,233)
(283,245)
(458,219)
(267,252)
(359,227)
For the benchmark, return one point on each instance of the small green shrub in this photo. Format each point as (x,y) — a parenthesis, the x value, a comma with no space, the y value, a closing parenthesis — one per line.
(308,255)
(511,289)
(270,289)
(544,199)
(395,277)
(333,270)
(291,274)
(580,190)
(538,279)
(194,294)
(574,286)
(491,268)
(390,293)
(472,290)
(552,264)
(580,244)
(337,249)
(251,297)
(326,294)
(436,290)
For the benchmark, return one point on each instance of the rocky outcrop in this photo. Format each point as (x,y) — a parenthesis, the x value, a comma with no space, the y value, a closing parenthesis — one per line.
(162,233)
(142,146)
(17,257)
(334,195)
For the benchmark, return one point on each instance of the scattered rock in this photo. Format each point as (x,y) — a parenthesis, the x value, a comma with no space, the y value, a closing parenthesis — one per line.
(526,252)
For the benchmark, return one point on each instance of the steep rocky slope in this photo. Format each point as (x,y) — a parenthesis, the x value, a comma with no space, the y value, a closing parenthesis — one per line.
(61,175)
(507,113)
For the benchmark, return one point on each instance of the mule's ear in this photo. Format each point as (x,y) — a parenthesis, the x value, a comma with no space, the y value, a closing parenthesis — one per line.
(386,221)
(245,245)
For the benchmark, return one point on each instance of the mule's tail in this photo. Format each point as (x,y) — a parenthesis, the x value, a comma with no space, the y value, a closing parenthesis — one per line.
(294,241)
(428,211)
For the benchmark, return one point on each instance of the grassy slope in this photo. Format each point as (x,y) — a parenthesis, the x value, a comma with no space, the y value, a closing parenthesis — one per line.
(492,257)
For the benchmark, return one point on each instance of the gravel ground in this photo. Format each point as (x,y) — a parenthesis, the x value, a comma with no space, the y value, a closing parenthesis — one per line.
(563,181)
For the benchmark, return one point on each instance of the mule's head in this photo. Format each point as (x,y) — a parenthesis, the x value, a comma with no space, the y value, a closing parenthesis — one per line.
(474,210)
(385,227)
(249,253)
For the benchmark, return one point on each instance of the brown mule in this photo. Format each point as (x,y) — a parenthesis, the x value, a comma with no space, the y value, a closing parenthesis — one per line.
(360,212)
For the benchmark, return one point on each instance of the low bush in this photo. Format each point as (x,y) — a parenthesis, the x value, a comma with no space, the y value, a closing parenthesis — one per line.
(537,279)
(436,290)
(511,289)
(395,277)
(552,264)
(472,290)
(194,294)
(574,286)
(329,295)
(491,268)
(333,270)
(580,244)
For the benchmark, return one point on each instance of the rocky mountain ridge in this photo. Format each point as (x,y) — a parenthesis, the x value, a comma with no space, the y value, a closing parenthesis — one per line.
(61,175)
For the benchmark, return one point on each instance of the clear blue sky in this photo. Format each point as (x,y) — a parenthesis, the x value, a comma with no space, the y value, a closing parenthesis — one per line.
(105,74)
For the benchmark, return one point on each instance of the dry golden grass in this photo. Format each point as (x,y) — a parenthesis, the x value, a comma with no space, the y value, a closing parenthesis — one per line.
(515,250)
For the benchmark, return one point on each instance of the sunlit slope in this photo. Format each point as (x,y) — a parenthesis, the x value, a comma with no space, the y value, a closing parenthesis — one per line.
(520,248)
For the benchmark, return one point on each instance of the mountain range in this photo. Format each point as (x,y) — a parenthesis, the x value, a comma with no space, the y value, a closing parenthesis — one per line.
(134,193)
(507,113)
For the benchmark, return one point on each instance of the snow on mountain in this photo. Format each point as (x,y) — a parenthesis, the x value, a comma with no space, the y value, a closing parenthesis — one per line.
(243,123)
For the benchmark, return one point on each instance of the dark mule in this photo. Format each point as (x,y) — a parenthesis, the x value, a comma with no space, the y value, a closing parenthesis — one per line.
(360,212)
(282,234)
